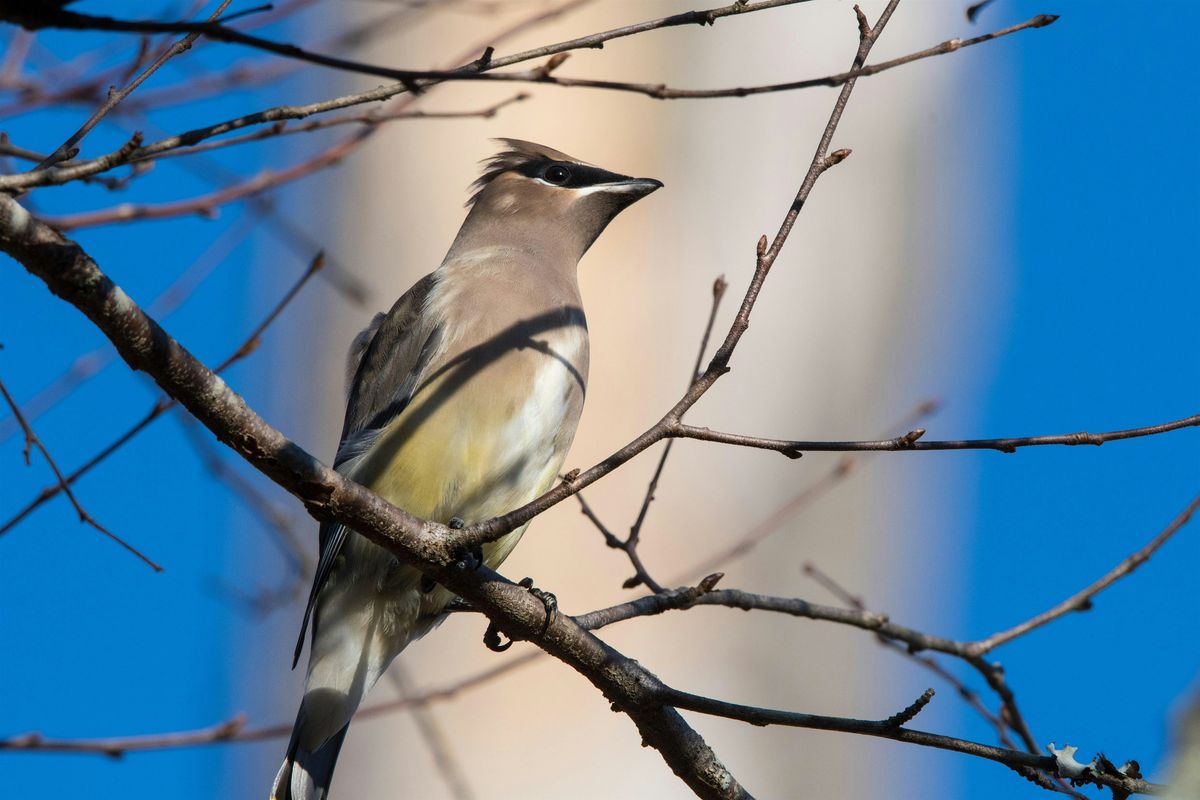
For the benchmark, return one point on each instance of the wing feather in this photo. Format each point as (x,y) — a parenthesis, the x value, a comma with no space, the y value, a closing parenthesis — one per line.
(384,367)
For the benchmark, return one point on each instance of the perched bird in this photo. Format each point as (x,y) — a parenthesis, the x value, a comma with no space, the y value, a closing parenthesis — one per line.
(464,399)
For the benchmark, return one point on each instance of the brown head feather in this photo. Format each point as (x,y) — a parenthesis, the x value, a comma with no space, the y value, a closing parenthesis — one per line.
(518,152)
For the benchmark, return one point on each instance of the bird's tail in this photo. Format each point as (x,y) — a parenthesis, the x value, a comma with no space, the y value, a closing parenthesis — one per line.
(305,774)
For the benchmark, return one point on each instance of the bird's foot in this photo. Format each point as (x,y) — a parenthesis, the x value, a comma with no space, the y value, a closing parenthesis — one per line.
(548,600)
(491,637)
(468,561)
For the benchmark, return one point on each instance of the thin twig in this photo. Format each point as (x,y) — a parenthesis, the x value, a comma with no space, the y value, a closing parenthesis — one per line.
(629,544)
(538,75)
(57,18)
(69,148)
(33,441)
(1010,718)
(718,293)
(1082,600)
(912,442)
(235,730)
(769,716)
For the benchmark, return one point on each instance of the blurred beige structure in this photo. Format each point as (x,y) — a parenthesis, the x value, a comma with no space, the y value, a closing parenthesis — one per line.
(840,347)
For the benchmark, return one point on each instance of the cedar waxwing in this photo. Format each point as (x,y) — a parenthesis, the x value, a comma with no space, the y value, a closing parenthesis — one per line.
(464,399)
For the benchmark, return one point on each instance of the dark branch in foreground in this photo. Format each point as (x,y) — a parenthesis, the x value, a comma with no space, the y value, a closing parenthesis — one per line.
(704,593)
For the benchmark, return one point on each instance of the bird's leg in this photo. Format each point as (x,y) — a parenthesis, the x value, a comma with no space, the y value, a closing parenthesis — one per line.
(457,605)
(491,637)
(469,561)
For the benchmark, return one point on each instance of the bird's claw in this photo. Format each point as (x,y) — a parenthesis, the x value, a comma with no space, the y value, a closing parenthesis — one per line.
(491,637)
(470,560)
(492,641)
(548,600)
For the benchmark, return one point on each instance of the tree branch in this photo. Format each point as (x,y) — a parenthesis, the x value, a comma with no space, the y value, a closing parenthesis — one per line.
(81,169)
(912,441)
(68,149)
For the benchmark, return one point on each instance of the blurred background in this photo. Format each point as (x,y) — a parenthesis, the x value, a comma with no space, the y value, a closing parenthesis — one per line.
(1011,242)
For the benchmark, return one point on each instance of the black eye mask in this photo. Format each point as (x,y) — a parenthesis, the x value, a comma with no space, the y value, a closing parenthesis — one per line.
(568,175)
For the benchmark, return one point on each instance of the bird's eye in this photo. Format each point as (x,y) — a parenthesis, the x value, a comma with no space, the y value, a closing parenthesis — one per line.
(557,174)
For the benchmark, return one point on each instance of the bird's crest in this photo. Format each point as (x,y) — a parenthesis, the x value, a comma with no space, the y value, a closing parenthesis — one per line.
(517,153)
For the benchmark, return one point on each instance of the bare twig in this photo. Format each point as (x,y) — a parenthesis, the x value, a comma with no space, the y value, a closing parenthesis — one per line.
(1009,718)
(912,442)
(116,747)
(718,293)
(417,80)
(69,148)
(881,728)
(235,729)
(207,204)
(538,75)
(57,18)
(629,544)
(1082,600)
(32,441)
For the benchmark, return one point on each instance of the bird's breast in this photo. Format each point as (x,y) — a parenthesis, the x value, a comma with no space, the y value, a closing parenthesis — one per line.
(488,430)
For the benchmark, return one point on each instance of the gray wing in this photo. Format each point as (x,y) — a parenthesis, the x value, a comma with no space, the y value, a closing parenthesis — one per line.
(383,368)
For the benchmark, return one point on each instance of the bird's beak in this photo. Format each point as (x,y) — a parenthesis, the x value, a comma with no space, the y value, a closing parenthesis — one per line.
(639,187)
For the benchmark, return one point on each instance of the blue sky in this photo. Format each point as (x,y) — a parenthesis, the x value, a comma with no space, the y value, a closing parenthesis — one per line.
(1099,205)
(1099,333)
